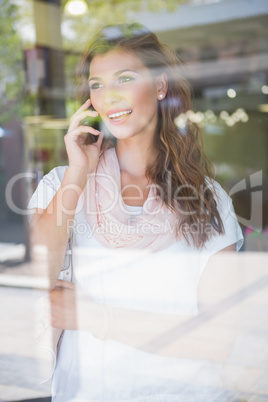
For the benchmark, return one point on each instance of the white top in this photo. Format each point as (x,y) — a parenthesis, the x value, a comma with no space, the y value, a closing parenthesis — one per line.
(165,282)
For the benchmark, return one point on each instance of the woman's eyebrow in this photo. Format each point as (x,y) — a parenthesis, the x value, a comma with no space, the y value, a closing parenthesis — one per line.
(115,74)
(94,78)
(126,70)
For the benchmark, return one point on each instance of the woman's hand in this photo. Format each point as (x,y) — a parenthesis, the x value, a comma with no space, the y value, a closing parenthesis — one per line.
(63,305)
(82,156)
(72,308)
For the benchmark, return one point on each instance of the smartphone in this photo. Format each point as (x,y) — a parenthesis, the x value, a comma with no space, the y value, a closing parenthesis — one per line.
(95,122)
(92,122)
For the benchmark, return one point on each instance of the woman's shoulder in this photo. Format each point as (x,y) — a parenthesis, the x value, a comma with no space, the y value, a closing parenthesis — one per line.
(233,233)
(47,188)
(213,184)
(220,195)
(55,175)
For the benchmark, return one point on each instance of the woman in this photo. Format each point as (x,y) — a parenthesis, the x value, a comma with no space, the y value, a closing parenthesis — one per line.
(145,219)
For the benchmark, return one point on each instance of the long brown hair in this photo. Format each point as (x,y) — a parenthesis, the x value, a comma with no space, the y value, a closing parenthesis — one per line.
(181,171)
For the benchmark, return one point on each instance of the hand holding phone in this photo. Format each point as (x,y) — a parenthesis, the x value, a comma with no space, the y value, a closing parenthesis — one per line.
(83,141)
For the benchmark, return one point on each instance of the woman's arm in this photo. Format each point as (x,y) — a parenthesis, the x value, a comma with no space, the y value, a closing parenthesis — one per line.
(51,226)
(209,335)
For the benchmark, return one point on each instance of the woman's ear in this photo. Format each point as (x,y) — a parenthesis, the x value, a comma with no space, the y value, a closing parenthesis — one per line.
(162,86)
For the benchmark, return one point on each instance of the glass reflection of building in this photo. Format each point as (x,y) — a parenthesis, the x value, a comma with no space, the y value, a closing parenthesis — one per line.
(223,48)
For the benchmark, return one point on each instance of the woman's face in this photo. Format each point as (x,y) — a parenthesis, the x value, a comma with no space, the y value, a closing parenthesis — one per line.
(124,93)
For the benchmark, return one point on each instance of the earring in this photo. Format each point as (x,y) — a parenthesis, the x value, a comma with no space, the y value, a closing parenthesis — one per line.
(160,96)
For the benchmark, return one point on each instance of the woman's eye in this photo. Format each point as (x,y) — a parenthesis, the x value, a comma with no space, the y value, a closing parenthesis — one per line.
(125,78)
(95,85)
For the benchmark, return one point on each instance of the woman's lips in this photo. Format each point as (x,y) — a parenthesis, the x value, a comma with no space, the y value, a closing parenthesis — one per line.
(118,116)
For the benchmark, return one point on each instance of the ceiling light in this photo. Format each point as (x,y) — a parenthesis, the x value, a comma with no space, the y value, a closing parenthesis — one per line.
(264,89)
(231,93)
(76,7)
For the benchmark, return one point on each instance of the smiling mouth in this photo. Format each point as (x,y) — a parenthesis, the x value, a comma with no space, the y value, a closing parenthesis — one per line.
(119,115)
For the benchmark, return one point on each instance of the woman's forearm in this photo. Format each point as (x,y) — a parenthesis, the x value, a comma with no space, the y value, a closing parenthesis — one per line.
(210,334)
(50,227)
(195,337)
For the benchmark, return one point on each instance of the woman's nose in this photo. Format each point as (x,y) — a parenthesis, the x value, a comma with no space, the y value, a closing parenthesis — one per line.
(111,95)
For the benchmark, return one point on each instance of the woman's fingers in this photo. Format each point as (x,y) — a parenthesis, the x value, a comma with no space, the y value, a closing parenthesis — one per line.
(76,119)
(86,113)
(83,107)
(99,140)
(82,130)
(81,114)
(80,151)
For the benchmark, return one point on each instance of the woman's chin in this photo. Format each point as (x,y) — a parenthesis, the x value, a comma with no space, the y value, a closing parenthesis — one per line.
(121,134)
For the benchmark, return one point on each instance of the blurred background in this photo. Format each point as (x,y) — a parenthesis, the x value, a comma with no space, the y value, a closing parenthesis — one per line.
(223,46)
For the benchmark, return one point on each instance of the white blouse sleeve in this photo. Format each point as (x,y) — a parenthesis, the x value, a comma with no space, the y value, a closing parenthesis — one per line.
(233,233)
(46,189)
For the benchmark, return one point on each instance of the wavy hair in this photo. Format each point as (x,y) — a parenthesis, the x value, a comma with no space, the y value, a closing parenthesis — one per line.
(181,171)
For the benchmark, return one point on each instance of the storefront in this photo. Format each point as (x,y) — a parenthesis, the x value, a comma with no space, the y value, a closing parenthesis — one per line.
(223,49)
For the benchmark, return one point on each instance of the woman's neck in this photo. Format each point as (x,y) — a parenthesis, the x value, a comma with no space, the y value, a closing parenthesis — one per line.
(134,157)
(133,161)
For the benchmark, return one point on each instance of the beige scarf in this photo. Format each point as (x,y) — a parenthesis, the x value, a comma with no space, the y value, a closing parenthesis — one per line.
(109,219)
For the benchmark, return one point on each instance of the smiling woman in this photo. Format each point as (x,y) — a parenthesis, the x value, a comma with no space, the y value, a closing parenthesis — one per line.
(155,95)
(126,94)
(145,218)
